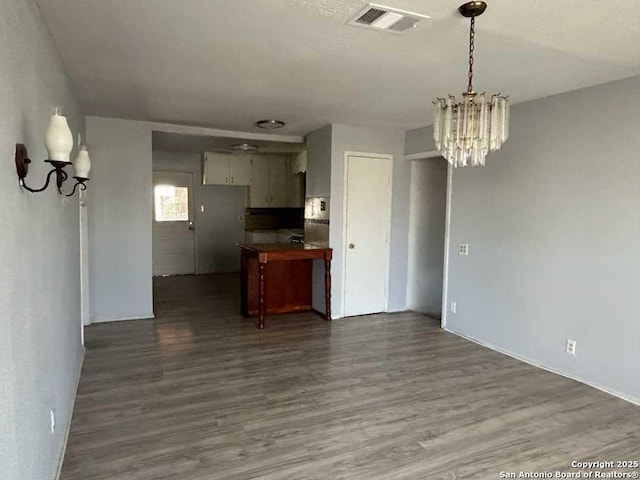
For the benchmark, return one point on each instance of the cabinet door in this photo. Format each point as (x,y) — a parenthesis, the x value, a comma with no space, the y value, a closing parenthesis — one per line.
(216,169)
(240,170)
(259,186)
(277,181)
(299,162)
(295,190)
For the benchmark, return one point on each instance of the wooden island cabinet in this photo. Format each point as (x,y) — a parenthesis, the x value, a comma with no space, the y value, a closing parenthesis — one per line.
(277,278)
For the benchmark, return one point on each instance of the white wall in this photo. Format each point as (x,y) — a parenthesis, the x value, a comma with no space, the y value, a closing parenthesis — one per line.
(40,350)
(221,226)
(326,171)
(366,140)
(85,307)
(318,184)
(419,140)
(318,145)
(553,223)
(120,264)
(426,235)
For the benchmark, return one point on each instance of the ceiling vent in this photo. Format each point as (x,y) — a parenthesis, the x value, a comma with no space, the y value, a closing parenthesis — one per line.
(386,19)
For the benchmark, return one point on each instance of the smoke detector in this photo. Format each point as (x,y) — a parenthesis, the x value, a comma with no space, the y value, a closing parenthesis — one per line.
(386,19)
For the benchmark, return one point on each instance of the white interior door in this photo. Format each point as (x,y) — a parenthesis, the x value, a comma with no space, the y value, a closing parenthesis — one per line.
(367,222)
(173,228)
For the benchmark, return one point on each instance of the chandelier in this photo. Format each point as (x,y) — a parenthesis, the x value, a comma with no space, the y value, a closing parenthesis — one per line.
(465,132)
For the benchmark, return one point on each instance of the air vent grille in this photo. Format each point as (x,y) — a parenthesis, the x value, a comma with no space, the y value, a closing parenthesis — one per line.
(386,19)
(404,24)
(371,16)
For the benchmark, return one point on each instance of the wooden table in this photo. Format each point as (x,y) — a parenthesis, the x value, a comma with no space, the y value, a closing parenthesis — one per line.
(277,278)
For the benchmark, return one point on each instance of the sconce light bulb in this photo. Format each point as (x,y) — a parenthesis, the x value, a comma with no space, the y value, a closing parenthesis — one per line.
(82,163)
(58,138)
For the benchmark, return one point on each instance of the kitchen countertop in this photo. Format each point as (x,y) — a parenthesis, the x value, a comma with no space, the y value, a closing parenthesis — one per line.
(291,231)
(289,268)
(283,247)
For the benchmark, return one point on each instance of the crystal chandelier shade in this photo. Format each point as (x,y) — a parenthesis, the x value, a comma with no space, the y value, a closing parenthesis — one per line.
(465,131)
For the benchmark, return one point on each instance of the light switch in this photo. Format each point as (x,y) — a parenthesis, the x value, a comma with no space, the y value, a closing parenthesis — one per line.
(201,208)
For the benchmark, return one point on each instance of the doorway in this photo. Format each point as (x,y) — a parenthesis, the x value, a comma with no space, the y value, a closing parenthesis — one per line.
(427,231)
(366,233)
(173,228)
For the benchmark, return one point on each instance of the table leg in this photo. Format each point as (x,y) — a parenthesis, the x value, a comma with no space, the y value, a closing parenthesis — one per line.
(261,268)
(327,287)
(244,284)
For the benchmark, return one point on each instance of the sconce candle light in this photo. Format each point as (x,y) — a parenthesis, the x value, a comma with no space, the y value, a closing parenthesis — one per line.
(59,143)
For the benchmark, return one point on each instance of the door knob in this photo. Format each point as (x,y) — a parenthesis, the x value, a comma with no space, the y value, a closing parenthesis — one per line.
(191,227)
(352,246)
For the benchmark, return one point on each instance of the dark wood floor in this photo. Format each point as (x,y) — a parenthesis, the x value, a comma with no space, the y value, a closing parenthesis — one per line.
(199,393)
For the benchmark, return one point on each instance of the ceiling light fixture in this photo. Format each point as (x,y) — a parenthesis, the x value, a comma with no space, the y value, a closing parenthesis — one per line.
(244,147)
(270,124)
(465,132)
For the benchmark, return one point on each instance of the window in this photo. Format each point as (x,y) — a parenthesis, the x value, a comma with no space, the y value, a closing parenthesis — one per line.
(171,203)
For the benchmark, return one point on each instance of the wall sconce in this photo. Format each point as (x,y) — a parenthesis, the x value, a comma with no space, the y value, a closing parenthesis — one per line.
(59,142)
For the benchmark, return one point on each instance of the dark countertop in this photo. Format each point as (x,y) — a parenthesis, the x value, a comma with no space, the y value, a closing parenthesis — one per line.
(282,247)
(275,230)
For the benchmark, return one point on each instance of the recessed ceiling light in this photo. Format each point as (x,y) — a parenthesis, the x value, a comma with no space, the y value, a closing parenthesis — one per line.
(244,147)
(270,124)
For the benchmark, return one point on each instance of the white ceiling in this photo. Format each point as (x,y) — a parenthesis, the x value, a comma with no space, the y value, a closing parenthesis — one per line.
(228,63)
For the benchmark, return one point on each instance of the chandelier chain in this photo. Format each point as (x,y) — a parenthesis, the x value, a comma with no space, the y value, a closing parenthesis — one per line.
(472,36)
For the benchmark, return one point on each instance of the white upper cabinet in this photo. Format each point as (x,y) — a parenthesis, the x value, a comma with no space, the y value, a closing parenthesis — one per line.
(295,190)
(226,169)
(299,162)
(270,178)
(278,181)
(240,170)
(215,170)
(271,182)
(259,187)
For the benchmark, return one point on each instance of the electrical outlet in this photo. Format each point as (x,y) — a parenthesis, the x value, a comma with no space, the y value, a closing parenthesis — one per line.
(53,421)
(463,249)
(571,347)
(452,307)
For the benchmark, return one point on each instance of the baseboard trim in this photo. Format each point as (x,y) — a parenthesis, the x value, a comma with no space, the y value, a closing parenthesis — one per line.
(337,317)
(151,316)
(627,398)
(68,425)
